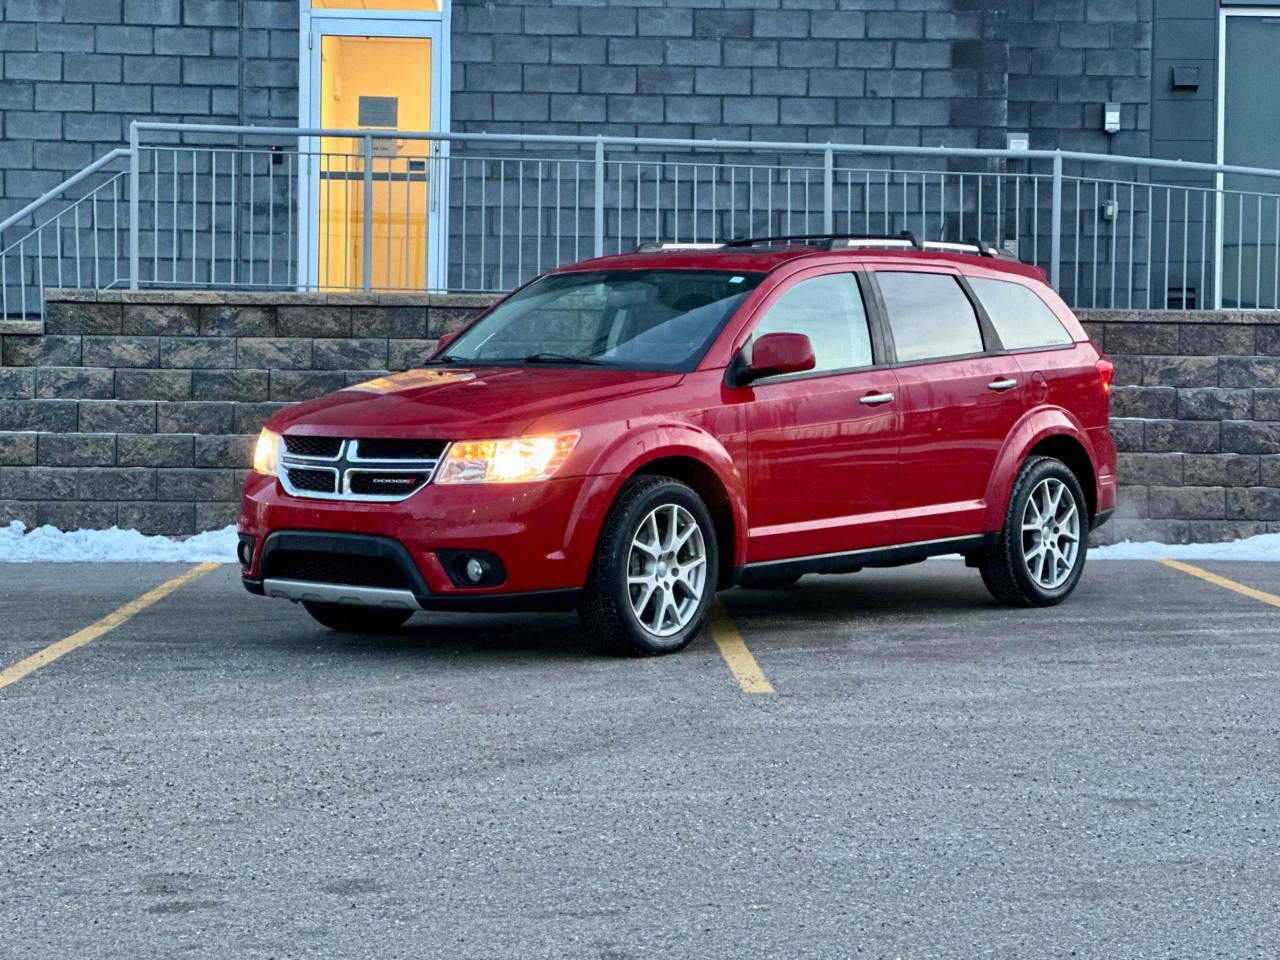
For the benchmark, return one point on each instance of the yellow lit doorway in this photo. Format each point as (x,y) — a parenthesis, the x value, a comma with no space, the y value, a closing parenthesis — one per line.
(372,199)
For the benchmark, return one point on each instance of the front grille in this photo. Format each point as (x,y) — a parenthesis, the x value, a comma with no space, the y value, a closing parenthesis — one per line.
(312,481)
(392,449)
(385,484)
(313,446)
(315,566)
(383,469)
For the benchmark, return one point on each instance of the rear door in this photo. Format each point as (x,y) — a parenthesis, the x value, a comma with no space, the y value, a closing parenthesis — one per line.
(961,396)
(823,444)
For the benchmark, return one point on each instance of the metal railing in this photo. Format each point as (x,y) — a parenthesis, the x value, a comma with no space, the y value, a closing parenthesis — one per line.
(253,208)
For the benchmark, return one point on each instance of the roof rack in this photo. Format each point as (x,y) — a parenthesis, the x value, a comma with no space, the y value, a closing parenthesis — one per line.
(838,241)
(657,246)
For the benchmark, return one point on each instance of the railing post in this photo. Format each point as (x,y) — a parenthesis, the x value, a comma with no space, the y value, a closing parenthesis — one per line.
(366,254)
(1055,221)
(599,210)
(134,181)
(828,190)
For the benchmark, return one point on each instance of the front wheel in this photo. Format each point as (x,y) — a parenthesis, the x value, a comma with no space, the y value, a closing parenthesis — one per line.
(653,579)
(1041,552)
(353,619)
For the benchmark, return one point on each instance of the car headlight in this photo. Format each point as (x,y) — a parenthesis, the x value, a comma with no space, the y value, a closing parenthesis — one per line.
(516,460)
(266,453)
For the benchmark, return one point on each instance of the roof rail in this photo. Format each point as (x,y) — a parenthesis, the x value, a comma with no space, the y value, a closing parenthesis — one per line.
(838,241)
(657,246)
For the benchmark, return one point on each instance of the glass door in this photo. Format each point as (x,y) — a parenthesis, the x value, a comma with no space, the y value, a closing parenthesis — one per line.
(1249,112)
(375,219)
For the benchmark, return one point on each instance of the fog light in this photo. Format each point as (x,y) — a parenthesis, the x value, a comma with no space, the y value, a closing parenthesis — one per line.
(244,550)
(475,570)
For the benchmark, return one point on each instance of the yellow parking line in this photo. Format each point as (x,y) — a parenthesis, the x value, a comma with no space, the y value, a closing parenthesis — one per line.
(734,650)
(90,633)
(1223,582)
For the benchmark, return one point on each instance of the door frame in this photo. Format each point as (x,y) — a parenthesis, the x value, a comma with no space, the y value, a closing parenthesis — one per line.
(1220,145)
(417,24)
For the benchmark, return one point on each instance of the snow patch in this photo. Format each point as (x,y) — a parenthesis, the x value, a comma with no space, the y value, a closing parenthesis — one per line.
(1263,547)
(50,545)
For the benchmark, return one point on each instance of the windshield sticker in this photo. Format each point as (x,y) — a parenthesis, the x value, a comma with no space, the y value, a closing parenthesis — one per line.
(736,279)
(412,380)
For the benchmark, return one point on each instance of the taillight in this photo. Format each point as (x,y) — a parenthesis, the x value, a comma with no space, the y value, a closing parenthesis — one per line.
(1107,373)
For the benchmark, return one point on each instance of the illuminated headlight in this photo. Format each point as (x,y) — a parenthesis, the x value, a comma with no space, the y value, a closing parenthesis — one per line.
(506,461)
(266,453)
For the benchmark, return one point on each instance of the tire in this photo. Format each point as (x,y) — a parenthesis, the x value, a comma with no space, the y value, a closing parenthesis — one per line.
(636,542)
(776,583)
(1016,571)
(353,619)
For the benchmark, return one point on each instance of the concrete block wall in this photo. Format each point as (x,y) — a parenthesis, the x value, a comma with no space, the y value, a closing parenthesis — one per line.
(1196,418)
(140,410)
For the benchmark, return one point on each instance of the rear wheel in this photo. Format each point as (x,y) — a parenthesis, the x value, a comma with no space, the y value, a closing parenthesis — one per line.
(1041,552)
(353,619)
(653,579)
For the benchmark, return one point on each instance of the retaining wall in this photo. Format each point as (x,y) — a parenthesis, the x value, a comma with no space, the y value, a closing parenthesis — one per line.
(140,410)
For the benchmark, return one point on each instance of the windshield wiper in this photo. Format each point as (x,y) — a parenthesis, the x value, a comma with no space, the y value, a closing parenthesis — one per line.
(450,358)
(548,356)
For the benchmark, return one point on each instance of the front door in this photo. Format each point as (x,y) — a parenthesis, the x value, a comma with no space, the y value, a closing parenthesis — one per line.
(372,204)
(823,444)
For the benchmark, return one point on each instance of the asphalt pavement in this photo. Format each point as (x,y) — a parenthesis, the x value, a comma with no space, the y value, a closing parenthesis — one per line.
(932,776)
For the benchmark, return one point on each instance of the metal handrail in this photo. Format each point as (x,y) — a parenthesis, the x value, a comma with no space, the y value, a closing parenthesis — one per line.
(1092,248)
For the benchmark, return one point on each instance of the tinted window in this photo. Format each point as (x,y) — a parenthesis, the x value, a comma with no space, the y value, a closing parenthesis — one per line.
(829,311)
(645,319)
(1019,315)
(930,316)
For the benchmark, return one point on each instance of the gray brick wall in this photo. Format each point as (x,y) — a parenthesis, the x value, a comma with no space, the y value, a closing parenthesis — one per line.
(74,73)
(889,71)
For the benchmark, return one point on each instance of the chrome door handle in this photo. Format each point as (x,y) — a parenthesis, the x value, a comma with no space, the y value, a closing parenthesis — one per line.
(1006,384)
(875,399)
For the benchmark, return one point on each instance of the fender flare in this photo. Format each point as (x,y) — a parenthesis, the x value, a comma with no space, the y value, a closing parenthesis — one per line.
(1034,427)
(631,452)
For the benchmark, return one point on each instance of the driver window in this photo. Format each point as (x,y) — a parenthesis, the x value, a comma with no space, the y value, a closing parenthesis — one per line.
(829,311)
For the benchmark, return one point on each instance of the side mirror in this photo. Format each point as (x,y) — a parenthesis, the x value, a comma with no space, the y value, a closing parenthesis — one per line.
(778,353)
(442,344)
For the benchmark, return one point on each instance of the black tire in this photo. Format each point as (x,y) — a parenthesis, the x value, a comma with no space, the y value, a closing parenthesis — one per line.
(354,619)
(606,608)
(1004,568)
(774,583)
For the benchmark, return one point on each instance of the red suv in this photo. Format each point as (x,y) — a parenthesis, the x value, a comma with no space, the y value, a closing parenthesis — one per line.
(628,435)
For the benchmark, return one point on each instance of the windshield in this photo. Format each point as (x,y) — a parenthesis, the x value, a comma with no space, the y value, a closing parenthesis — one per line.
(640,319)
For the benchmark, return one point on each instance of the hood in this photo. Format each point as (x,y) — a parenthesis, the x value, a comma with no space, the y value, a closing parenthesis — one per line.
(466,403)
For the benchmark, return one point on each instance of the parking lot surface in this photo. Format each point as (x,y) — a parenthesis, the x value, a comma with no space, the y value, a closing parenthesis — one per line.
(932,776)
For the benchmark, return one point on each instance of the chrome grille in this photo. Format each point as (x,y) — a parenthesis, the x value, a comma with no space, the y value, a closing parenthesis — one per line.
(372,469)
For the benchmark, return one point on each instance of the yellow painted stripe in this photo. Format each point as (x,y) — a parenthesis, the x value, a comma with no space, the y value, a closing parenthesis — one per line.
(1223,582)
(108,623)
(734,650)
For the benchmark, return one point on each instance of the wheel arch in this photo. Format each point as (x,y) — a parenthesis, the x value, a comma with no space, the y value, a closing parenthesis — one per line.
(1051,432)
(706,482)
(1068,449)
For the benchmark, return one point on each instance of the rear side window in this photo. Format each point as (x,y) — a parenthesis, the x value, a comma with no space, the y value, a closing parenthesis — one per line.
(929,315)
(1020,317)
(829,311)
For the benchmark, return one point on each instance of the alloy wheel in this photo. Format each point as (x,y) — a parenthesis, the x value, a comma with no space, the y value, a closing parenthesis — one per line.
(666,570)
(1051,533)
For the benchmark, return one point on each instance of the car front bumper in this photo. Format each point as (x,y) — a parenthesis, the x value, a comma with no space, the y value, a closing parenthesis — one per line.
(543,534)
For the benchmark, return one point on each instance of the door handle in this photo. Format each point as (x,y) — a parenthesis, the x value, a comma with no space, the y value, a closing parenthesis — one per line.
(1007,384)
(875,399)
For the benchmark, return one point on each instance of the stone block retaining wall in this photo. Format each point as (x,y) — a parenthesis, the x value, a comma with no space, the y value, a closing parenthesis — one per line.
(140,410)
